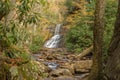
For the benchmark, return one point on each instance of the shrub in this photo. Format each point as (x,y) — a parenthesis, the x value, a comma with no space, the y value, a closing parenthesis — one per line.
(110,17)
(79,37)
(37,43)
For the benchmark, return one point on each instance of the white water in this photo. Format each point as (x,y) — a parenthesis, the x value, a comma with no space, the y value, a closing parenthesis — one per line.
(54,41)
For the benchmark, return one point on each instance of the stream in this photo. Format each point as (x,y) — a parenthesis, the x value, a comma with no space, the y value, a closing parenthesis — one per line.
(56,65)
(58,62)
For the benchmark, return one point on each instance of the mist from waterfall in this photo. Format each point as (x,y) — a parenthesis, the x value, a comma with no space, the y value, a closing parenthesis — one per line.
(54,41)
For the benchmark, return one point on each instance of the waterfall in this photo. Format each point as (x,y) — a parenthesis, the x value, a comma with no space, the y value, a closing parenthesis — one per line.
(57,29)
(54,41)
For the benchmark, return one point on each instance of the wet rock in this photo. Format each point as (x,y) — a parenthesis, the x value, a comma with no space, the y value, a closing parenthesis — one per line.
(60,72)
(82,66)
(52,65)
(82,76)
(48,79)
(49,57)
(68,66)
(58,57)
(65,78)
(51,51)
(62,66)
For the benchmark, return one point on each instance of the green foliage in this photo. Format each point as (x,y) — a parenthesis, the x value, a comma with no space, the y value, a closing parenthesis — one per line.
(37,43)
(4,6)
(69,4)
(25,13)
(76,37)
(29,71)
(13,31)
(79,37)
(110,16)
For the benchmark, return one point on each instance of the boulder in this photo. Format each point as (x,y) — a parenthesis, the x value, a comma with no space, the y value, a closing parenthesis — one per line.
(61,72)
(65,78)
(68,66)
(82,66)
(48,79)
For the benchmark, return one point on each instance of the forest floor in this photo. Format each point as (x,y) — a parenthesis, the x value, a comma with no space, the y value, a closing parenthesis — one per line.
(62,65)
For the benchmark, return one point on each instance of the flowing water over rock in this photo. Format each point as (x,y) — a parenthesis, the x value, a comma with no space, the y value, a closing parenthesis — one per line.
(55,40)
(59,64)
(52,65)
(62,66)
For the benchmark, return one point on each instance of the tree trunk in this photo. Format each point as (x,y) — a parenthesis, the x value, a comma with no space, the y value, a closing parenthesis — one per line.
(85,52)
(112,69)
(96,73)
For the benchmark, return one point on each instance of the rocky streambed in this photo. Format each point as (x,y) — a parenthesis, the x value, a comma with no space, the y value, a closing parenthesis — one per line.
(61,65)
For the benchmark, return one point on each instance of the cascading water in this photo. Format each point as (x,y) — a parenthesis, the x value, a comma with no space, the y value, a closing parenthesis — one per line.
(55,40)
(57,29)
